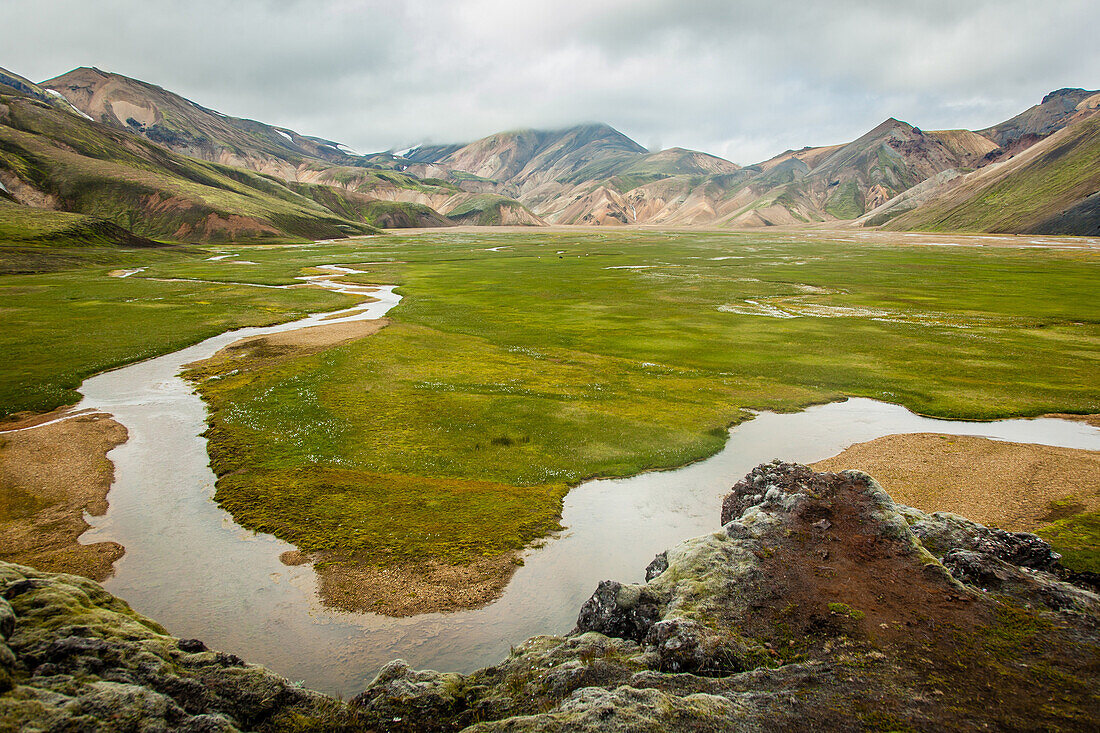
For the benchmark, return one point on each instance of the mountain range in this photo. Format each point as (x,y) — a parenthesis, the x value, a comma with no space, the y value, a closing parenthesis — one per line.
(162,167)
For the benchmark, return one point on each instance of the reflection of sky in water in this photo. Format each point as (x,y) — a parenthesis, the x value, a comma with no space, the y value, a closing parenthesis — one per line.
(189,566)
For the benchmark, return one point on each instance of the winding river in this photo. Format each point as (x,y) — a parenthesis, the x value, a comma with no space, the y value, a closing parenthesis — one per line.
(191,567)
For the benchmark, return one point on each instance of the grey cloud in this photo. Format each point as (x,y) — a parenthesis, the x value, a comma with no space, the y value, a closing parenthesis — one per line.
(740,79)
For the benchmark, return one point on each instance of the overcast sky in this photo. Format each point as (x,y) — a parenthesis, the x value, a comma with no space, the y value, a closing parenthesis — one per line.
(743,80)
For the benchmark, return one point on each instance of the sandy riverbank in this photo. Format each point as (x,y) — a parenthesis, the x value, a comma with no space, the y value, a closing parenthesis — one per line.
(50,474)
(408,589)
(256,352)
(1014,486)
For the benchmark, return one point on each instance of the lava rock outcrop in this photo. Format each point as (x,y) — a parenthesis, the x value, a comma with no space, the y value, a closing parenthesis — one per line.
(820,604)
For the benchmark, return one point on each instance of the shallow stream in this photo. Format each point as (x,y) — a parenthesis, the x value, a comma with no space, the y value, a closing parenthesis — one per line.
(191,567)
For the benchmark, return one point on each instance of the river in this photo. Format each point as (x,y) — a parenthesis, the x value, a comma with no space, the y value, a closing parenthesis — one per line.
(192,568)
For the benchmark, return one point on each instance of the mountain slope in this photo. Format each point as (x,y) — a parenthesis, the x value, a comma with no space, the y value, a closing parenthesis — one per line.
(12,83)
(517,157)
(57,159)
(969,146)
(576,175)
(896,168)
(1049,188)
(840,182)
(876,166)
(188,128)
(369,188)
(585,174)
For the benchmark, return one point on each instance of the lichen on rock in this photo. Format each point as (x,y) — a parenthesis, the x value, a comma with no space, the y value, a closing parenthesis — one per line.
(74,657)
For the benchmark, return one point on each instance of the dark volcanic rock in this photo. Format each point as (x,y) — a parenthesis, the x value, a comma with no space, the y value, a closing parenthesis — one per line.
(413,700)
(1034,587)
(819,605)
(614,610)
(816,607)
(658,565)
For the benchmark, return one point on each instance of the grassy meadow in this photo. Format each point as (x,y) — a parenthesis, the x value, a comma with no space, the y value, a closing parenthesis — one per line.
(518,364)
(508,375)
(71,319)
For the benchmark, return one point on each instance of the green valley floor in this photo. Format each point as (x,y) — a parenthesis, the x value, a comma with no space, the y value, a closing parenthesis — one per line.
(520,363)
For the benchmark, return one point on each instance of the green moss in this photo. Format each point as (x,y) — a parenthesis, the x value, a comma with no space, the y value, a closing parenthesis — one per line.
(575,366)
(880,720)
(521,369)
(483,209)
(626,182)
(386,517)
(846,201)
(373,212)
(61,327)
(1077,539)
(843,609)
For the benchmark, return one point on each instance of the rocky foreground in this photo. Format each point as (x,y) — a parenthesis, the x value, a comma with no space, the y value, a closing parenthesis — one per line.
(820,604)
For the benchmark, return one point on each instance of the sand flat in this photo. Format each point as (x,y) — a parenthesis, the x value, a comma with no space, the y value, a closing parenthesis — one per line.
(50,474)
(1001,484)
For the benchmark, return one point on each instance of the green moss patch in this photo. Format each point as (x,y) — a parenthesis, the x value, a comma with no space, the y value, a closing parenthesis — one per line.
(1077,539)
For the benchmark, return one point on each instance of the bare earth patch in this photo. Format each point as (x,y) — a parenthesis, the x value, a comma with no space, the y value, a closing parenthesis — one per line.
(49,475)
(23,420)
(350,313)
(1014,486)
(406,589)
(260,351)
(311,339)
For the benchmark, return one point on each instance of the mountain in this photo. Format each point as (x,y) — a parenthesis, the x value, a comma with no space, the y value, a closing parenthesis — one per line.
(1024,174)
(844,181)
(589,174)
(595,175)
(189,128)
(576,175)
(518,157)
(1050,115)
(1052,187)
(370,187)
(12,83)
(52,157)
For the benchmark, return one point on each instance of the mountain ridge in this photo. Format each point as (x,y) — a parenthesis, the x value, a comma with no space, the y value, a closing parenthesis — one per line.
(589,173)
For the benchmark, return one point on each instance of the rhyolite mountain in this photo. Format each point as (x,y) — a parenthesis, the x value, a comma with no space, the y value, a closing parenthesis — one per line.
(588,174)
(56,159)
(592,174)
(817,604)
(1052,114)
(1051,186)
(185,127)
